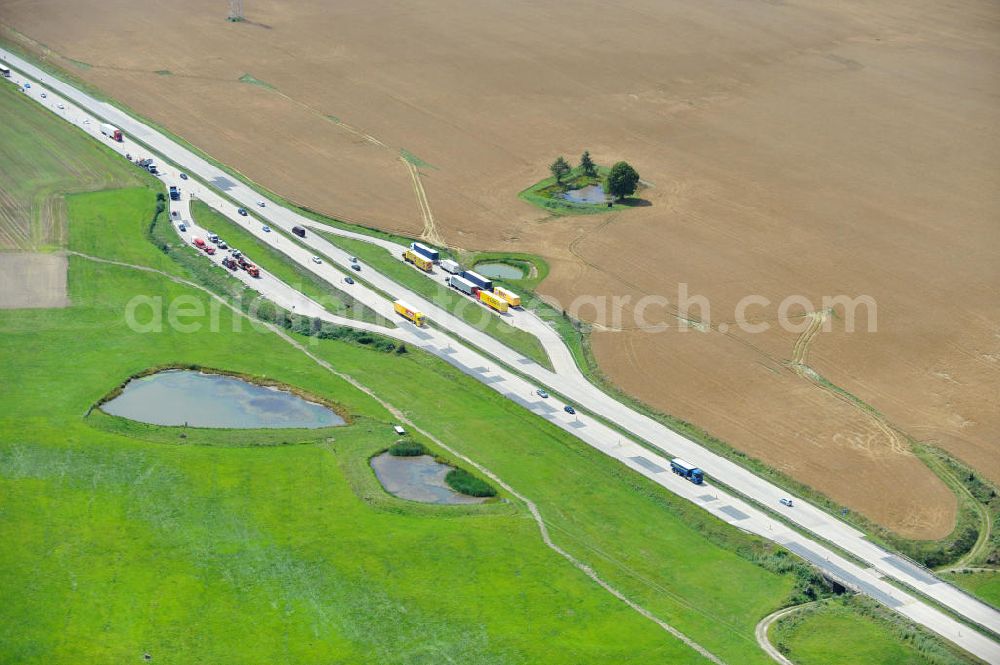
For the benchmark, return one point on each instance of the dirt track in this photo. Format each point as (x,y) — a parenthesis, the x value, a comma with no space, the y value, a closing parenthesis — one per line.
(795,148)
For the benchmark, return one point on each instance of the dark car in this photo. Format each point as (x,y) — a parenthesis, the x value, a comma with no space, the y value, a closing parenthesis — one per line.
(184,176)
(355,266)
(569,409)
(182,228)
(242,211)
(349,279)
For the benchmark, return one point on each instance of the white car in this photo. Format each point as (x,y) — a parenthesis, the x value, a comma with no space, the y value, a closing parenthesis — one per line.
(261,203)
(316,259)
(60,106)
(785,501)
(44,95)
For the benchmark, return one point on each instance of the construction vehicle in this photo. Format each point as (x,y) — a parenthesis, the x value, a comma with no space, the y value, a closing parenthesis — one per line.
(478,280)
(230,263)
(175,193)
(111,132)
(418,260)
(209,249)
(425,251)
(512,298)
(451,266)
(463,285)
(198,242)
(408,312)
(493,301)
(687,470)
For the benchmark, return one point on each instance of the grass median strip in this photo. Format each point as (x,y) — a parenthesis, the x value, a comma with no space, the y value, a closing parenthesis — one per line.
(465,308)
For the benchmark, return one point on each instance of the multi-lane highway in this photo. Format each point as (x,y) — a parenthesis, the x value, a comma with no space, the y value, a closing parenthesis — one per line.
(739,498)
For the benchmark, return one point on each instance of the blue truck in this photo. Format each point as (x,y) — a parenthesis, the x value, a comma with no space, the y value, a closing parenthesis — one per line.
(687,470)
(425,251)
(477,279)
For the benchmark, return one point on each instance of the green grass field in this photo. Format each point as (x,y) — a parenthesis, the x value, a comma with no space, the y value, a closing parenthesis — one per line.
(437,292)
(857,631)
(38,165)
(280,546)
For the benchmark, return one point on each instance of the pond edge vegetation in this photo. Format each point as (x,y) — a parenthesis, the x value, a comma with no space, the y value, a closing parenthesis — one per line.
(262,381)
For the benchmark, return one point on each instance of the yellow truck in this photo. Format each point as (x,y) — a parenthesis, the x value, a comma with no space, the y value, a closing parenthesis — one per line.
(421,262)
(409,312)
(496,302)
(512,298)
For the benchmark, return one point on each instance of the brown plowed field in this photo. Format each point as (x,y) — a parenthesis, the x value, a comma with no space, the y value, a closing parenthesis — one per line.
(795,147)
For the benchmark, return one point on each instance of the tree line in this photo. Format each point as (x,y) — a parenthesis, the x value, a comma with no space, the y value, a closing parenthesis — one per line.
(622,179)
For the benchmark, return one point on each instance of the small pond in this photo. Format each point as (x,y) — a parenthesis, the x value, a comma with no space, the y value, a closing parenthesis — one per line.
(417,479)
(588,194)
(499,271)
(185,397)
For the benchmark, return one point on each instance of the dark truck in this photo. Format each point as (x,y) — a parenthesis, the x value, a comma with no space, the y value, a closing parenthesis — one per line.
(175,194)
(299,231)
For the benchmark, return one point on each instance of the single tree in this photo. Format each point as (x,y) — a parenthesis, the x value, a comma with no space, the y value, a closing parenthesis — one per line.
(560,169)
(622,180)
(587,164)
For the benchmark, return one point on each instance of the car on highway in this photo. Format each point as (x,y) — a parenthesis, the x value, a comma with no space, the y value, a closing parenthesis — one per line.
(60,106)
(353,259)
(541,393)
(184,176)
(261,203)
(355,266)
(175,214)
(316,259)
(569,409)
(44,95)
(266,229)
(222,244)
(785,501)
(27,86)
(183,228)
(349,280)
(242,211)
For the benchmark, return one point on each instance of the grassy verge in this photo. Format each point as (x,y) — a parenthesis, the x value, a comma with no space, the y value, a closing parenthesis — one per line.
(333,300)
(465,308)
(857,630)
(984,584)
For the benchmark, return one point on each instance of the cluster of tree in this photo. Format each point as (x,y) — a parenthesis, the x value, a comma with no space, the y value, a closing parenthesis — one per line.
(622,180)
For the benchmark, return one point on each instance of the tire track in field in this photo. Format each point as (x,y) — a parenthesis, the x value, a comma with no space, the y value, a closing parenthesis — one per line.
(430,232)
(536,514)
(800,354)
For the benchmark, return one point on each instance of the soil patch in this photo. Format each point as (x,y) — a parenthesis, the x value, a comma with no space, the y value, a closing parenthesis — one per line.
(29,280)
